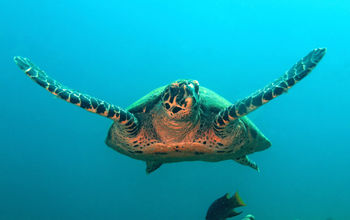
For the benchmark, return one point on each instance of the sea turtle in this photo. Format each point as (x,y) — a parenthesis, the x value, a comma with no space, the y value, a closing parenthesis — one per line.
(182,121)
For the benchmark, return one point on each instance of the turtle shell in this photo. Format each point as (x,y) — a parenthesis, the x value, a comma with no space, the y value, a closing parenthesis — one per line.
(146,102)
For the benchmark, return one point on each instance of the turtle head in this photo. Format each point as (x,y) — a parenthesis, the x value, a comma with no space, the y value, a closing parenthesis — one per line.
(180,99)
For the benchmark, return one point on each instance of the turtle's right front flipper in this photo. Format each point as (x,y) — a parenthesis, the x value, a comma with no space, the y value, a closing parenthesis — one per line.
(127,120)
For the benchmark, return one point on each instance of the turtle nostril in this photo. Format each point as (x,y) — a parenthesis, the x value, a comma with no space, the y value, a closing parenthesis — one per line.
(176,109)
(167,106)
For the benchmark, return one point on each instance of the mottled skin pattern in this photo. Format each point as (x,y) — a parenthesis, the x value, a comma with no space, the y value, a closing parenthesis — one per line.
(182,121)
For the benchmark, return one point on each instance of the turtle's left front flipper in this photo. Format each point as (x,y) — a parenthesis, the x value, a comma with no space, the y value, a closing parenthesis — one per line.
(271,91)
(127,121)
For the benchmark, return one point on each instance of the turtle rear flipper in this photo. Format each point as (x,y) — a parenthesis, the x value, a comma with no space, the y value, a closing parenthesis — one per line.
(152,165)
(269,92)
(128,122)
(247,162)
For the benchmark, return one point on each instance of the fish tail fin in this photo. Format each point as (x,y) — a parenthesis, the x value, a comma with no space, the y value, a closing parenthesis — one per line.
(237,200)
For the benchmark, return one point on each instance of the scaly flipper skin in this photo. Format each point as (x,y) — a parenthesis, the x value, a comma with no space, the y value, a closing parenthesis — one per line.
(128,122)
(271,91)
(247,162)
(152,166)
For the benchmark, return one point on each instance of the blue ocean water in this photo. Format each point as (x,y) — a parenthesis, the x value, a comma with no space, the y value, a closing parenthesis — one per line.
(53,160)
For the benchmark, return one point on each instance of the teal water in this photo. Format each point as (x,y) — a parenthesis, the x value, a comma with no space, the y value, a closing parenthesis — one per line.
(53,160)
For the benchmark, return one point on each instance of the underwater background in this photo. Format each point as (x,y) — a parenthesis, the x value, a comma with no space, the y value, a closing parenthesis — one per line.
(53,160)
